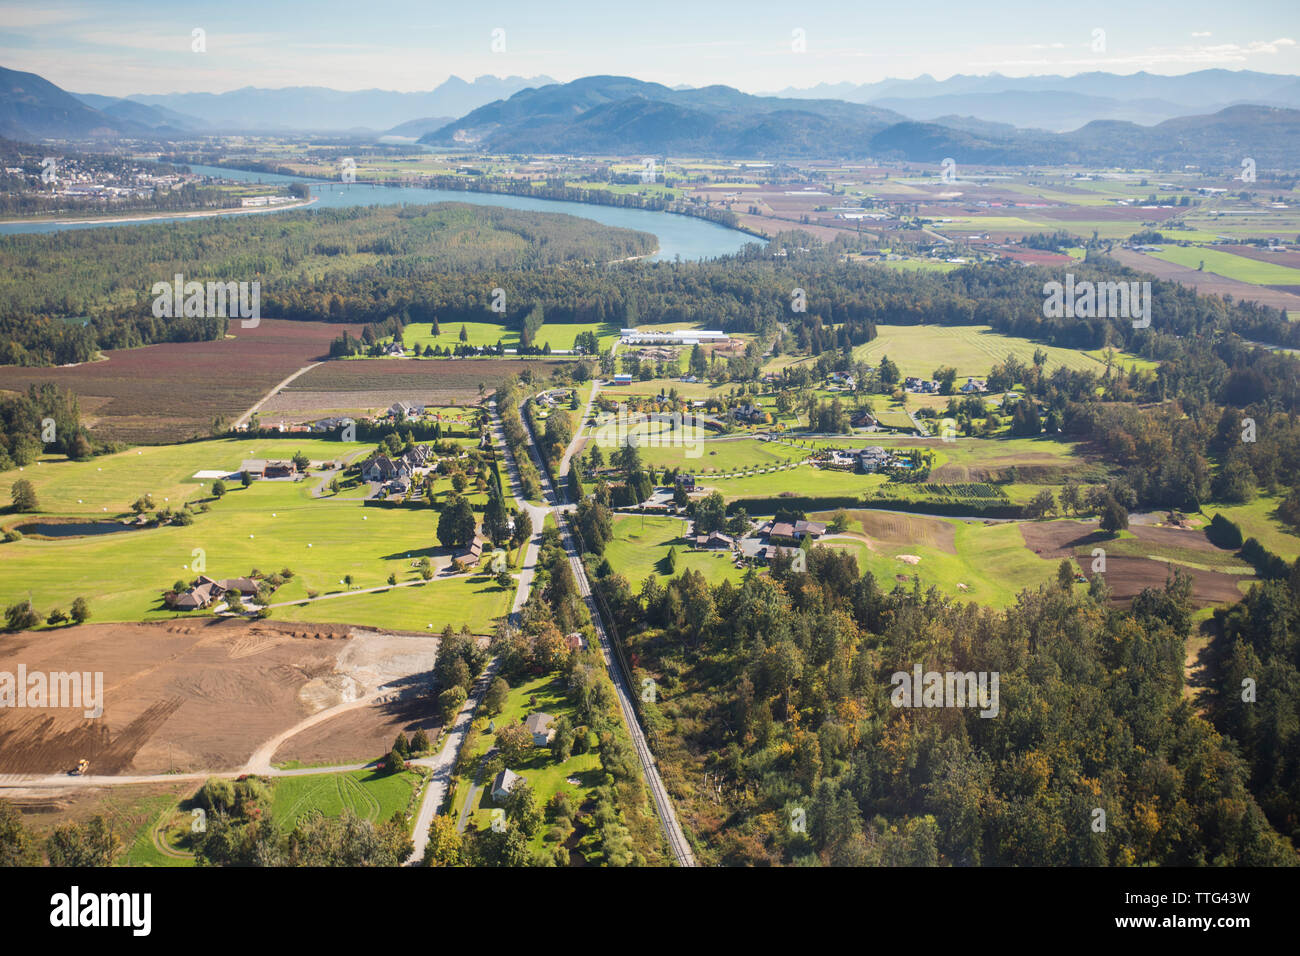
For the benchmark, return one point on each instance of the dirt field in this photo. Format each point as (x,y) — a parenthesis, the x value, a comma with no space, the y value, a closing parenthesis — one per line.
(193,696)
(165,393)
(446,381)
(1126,575)
(362,734)
(293,405)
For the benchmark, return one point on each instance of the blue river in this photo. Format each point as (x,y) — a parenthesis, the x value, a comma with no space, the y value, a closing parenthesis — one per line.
(678,235)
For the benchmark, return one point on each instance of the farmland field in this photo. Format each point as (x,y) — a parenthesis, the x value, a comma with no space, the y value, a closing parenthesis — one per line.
(171,392)
(1232,266)
(434,381)
(269,525)
(558,335)
(971,349)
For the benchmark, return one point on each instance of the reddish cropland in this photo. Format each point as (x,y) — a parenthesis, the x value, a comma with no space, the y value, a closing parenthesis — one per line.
(169,392)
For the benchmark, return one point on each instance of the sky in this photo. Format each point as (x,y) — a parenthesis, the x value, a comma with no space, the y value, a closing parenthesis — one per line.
(119,47)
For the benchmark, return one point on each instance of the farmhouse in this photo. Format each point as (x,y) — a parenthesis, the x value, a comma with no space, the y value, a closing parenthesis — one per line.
(714,541)
(280,469)
(622,379)
(207,591)
(792,530)
(540,726)
(503,783)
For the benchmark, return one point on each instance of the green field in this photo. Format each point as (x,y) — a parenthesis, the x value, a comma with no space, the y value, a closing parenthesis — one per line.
(268,526)
(725,454)
(371,795)
(1258,521)
(1230,266)
(992,561)
(971,349)
(641,543)
(557,335)
(539,768)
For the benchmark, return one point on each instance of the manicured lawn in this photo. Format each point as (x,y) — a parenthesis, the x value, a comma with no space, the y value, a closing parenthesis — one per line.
(370,795)
(268,526)
(721,454)
(641,543)
(539,768)
(476,601)
(108,485)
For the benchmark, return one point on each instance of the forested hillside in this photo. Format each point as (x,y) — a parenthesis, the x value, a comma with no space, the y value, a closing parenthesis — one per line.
(775,728)
(106,275)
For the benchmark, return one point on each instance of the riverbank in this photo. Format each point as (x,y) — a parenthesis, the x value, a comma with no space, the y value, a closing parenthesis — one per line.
(152,217)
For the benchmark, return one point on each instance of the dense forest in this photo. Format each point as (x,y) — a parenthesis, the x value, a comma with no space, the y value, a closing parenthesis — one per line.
(64,295)
(777,730)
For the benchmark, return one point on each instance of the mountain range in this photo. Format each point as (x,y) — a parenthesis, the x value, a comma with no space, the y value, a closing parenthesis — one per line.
(1062,103)
(610,114)
(33,108)
(320,108)
(625,116)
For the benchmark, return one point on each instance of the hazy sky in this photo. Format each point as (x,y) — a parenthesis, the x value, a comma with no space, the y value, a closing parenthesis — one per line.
(121,46)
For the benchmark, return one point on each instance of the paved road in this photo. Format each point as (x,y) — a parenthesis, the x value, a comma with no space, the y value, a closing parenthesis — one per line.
(444,763)
(673,832)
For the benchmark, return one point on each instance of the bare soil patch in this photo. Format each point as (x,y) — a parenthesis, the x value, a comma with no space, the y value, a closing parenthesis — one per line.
(193,696)
(1127,577)
(363,734)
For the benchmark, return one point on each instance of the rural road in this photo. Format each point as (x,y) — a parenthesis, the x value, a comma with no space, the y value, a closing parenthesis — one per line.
(269,395)
(673,833)
(444,763)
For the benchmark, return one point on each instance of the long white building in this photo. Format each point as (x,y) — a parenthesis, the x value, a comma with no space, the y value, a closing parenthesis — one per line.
(680,337)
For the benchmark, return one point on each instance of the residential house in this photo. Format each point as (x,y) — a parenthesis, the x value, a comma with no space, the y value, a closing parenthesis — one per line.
(504,783)
(794,530)
(874,458)
(540,726)
(714,541)
(403,411)
(863,419)
(575,641)
(471,553)
(686,482)
(380,467)
(280,469)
